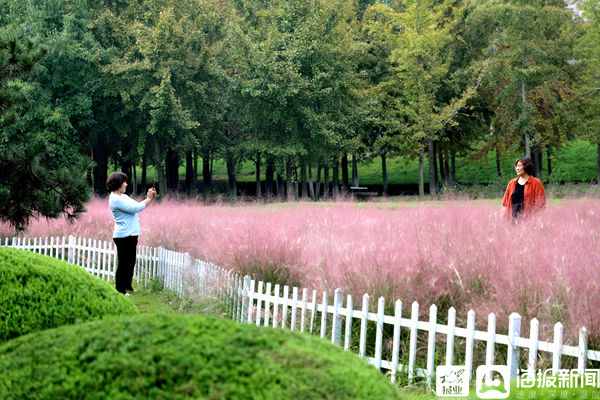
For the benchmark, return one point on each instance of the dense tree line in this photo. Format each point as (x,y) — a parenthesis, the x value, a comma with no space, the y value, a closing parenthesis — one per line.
(303,88)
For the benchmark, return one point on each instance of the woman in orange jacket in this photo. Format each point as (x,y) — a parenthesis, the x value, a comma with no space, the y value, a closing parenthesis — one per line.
(525,193)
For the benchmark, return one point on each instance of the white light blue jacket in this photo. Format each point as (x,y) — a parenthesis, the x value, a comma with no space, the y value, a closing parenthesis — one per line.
(125,213)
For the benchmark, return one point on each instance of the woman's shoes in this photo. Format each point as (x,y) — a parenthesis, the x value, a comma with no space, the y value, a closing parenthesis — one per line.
(127,294)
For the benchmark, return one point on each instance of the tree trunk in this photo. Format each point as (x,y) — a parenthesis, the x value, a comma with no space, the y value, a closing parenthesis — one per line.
(134,180)
(384,173)
(101,170)
(172,166)
(232,178)
(189,172)
(280,188)
(540,154)
(258,190)
(549,158)
(295,182)
(162,185)
(288,181)
(336,179)
(432,168)
(326,182)
(435,167)
(206,176)
(303,178)
(318,185)
(421,172)
(447,172)
(195,172)
(269,174)
(126,169)
(535,157)
(442,170)
(345,174)
(311,188)
(453,168)
(143,185)
(354,171)
(498,167)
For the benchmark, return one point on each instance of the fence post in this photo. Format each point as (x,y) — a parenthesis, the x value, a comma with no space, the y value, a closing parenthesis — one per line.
(363,326)
(294,308)
(558,344)
(303,313)
(451,333)
(336,322)
(267,304)
(431,342)
(245,301)
(491,343)
(325,304)
(396,338)
(469,344)
(414,326)
(349,316)
(71,250)
(514,331)
(379,331)
(534,326)
(582,361)
(259,302)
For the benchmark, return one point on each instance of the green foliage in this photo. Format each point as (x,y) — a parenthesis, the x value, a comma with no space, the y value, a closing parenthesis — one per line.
(41,170)
(176,357)
(134,83)
(38,292)
(291,69)
(529,84)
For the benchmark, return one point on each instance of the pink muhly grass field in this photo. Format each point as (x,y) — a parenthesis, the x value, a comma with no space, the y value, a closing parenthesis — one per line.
(451,253)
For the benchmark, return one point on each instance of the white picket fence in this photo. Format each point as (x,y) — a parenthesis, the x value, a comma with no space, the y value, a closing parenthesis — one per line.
(249,301)
(173,270)
(264,306)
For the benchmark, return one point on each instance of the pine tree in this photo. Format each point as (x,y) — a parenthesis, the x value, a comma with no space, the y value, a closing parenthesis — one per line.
(38,175)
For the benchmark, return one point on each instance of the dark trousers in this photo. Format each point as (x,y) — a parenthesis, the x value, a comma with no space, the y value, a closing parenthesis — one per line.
(126,250)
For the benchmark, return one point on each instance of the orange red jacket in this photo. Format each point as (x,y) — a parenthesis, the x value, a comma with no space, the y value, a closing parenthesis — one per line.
(534,196)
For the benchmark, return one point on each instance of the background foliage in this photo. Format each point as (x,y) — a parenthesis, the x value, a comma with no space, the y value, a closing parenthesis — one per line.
(299,91)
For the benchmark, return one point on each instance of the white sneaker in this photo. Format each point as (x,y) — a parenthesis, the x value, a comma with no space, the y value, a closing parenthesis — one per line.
(127,294)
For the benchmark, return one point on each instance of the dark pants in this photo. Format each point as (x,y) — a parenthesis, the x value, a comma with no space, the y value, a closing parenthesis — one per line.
(126,250)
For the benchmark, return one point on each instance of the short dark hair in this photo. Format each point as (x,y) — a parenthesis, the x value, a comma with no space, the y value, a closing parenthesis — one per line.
(527,164)
(115,180)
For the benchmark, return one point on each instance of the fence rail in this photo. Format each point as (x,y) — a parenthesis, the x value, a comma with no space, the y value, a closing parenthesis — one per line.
(260,303)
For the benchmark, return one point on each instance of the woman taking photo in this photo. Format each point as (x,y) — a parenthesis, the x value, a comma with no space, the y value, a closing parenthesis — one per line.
(127,227)
(525,193)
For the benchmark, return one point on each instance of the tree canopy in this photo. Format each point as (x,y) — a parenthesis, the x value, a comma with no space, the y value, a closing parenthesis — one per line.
(294,86)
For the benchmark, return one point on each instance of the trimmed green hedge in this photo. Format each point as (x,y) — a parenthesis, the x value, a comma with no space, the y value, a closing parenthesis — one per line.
(38,292)
(160,356)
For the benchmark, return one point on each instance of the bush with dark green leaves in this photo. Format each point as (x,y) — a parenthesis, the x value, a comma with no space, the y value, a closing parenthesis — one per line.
(161,356)
(39,292)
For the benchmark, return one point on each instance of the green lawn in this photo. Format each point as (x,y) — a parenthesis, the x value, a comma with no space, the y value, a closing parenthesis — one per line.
(575,162)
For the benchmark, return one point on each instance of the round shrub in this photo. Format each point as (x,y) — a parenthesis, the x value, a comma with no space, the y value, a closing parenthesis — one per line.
(162,356)
(38,292)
